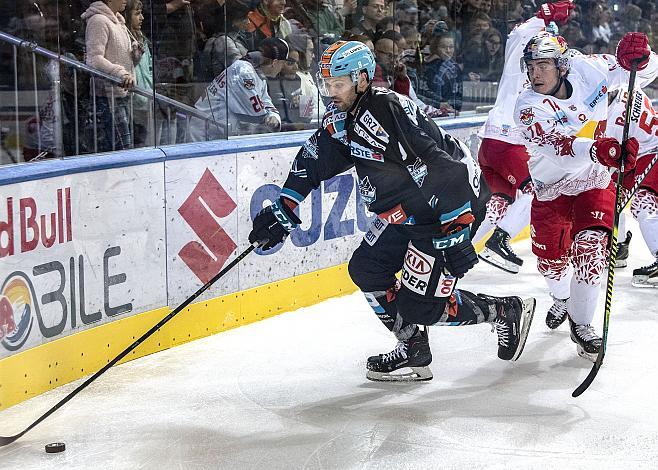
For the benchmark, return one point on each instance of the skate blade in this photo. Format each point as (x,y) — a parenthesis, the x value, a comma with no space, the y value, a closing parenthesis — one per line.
(584,354)
(498,261)
(528,313)
(417,374)
(643,281)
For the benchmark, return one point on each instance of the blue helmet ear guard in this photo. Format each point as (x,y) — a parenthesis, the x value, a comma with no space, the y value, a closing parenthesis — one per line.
(346,58)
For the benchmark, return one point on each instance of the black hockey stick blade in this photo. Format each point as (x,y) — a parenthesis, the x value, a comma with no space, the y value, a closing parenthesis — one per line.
(590,377)
(8,440)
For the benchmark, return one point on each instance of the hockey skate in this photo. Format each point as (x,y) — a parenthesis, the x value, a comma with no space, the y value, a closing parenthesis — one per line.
(646,276)
(587,341)
(413,354)
(512,324)
(499,253)
(622,251)
(557,313)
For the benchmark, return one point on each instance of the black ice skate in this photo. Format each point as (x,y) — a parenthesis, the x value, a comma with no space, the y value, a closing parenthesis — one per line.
(557,313)
(512,324)
(646,276)
(499,253)
(413,354)
(622,251)
(587,341)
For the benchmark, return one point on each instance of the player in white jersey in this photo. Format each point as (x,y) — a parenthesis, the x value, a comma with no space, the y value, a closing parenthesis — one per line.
(238,96)
(562,118)
(644,206)
(502,155)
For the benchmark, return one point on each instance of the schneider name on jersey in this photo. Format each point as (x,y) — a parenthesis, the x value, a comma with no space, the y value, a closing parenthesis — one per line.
(409,171)
(559,133)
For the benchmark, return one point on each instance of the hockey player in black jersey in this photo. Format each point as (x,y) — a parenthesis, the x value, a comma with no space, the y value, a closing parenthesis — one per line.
(424,187)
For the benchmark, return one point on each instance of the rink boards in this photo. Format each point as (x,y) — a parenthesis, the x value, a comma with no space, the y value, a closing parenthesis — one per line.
(95,251)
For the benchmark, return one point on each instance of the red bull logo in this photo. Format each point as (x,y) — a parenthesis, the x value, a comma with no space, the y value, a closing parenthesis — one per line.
(16,306)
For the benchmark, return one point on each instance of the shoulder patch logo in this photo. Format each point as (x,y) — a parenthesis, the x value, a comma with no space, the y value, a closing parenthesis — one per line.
(249,83)
(527,116)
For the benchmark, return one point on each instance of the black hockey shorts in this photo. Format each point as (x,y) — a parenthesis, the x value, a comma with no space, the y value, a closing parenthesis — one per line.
(387,249)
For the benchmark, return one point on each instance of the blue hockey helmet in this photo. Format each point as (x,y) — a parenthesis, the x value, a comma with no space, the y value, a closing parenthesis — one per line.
(345,58)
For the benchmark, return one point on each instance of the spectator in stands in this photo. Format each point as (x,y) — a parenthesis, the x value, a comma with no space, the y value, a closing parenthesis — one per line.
(267,21)
(285,91)
(443,76)
(373,12)
(490,59)
(387,50)
(222,49)
(109,49)
(325,17)
(601,31)
(142,106)
(311,106)
(406,13)
(249,108)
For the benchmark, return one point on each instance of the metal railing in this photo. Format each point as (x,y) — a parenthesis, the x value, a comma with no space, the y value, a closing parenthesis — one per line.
(77,67)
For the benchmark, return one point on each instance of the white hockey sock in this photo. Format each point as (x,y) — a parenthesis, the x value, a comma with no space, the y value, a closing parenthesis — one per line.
(517,216)
(645,209)
(621,228)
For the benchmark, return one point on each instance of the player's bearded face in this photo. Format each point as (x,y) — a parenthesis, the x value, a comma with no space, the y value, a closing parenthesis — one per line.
(341,91)
(544,76)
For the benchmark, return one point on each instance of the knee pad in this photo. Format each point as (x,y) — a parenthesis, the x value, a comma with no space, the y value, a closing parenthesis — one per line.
(365,277)
(557,275)
(589,255)
(644,204)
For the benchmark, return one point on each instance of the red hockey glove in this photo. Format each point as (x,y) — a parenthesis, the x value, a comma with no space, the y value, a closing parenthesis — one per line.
(608,152)
(633,47)
(629,152)
(558,12)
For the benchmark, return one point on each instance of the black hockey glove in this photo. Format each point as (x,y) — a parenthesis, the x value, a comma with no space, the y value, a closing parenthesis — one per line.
(272,225)
(460,258)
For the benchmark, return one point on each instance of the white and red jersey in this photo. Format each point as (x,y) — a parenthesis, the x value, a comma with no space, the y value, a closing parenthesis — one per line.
(559,133)
(500,121)
(644,121)
(238,94)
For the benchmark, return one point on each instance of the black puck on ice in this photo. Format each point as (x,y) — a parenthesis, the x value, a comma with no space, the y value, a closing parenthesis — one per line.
(55,447)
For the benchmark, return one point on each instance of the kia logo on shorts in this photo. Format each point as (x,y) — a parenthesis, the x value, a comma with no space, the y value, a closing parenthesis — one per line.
(417,263)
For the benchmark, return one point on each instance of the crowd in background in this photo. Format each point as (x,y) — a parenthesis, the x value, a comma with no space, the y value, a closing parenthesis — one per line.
(430,49)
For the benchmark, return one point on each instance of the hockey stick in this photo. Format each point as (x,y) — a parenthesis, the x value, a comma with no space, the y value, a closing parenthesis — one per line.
(638,182)
(613,244)
(8,440)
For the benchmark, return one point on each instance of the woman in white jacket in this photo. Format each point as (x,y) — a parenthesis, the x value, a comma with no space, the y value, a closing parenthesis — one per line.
(110,50)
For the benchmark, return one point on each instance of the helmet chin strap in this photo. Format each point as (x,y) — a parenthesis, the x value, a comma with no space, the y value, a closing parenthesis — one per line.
(359,95)
(559,84)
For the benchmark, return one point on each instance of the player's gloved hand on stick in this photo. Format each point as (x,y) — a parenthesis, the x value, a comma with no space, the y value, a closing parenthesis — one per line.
(608,152)
(273,224)
(460,258)
(558,12)
(631,48)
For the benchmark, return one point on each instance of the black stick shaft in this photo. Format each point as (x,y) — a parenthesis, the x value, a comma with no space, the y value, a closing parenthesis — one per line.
(8,440)
(613,244)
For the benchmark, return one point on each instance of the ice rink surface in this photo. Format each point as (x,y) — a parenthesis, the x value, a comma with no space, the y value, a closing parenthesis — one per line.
(290,393)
